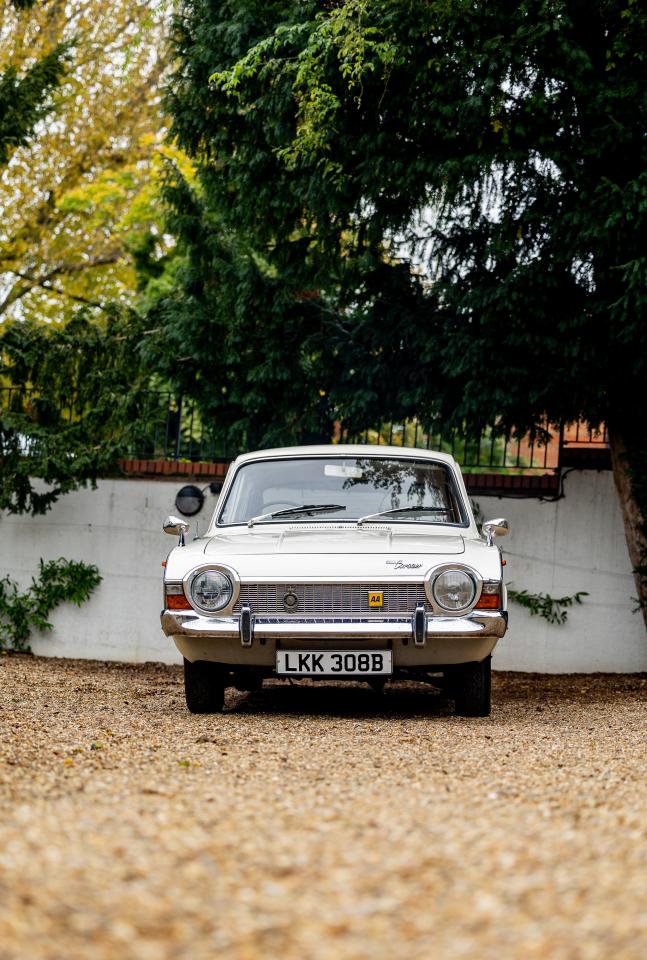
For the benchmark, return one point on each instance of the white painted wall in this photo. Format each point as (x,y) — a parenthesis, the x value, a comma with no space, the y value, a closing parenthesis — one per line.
(574,544)
(118,527)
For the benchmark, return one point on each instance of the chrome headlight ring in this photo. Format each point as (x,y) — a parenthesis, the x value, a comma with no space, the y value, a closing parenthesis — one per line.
(221,568)
(430,584)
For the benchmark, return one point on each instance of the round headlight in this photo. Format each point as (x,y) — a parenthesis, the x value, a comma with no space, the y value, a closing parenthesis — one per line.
(454,590)
(211,590)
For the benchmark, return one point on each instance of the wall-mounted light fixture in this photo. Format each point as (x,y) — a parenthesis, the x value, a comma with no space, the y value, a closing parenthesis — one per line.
(190,499)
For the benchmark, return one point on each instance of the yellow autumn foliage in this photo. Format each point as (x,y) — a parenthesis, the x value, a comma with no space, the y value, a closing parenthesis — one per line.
(84,192)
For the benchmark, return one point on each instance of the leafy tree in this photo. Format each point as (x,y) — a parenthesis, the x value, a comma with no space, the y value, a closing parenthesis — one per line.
(423,207)
(81,237)
(78,402)
(26,95)
(80,206)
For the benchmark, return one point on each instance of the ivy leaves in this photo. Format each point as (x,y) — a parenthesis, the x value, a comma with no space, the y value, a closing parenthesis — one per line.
(553,609)
(58,581)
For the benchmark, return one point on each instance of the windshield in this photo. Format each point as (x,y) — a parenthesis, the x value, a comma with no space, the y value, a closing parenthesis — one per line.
(321,489)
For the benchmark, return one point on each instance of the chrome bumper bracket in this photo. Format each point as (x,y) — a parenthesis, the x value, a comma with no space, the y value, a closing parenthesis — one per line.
(419,626)
(246,626)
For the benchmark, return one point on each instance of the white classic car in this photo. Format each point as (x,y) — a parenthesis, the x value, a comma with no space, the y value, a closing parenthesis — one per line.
(357,562)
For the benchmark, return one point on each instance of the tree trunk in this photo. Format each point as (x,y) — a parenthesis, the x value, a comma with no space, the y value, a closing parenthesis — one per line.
(634,521)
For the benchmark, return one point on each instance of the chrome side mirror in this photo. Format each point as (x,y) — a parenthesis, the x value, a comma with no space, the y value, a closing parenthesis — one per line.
(176,527)
(495,528)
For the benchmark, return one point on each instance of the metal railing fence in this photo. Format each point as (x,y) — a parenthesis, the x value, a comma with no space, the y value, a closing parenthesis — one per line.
(167,427)
(489,448)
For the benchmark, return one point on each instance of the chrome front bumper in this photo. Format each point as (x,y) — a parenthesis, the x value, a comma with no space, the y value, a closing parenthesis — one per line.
(478,624)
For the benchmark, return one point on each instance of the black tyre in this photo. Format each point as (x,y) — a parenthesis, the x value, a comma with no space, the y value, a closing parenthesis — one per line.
(472,686)
(204,686)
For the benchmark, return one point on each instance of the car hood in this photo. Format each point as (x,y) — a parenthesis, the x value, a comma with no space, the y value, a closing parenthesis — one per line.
(332,540)
(299,554)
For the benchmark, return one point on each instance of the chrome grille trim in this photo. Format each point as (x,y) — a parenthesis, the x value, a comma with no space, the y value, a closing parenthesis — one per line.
(353,620)
(332,599)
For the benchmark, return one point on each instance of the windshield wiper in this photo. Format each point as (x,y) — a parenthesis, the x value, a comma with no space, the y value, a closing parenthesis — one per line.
(294,511)
(385,513)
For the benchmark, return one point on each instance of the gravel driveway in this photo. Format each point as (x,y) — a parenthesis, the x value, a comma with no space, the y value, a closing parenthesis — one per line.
(319,822)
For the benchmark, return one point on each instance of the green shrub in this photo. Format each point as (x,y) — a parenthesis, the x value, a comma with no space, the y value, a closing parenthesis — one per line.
(58,581)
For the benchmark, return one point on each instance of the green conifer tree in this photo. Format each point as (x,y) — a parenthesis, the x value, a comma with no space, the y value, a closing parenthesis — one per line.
(423,207)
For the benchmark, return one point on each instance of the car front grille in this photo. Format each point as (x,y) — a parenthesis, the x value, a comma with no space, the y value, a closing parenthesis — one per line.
(331,599)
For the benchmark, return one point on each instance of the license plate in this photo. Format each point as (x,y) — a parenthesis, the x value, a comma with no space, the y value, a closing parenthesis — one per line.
(333,663)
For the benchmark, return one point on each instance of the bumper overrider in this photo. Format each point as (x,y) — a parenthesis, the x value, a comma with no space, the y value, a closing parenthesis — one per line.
(418,628)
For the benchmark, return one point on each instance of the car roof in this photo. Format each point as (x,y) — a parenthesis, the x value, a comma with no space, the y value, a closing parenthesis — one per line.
(346,449)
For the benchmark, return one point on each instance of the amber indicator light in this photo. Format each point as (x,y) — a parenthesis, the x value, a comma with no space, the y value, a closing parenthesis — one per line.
(177,602)
(488,601)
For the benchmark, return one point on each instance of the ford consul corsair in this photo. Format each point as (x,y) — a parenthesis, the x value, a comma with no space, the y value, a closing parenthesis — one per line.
(360,562)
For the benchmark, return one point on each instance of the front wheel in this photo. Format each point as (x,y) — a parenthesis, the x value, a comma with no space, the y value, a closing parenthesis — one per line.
(472,683)
(204,686)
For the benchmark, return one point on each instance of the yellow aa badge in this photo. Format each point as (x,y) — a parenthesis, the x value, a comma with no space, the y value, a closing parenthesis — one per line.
(375,598)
